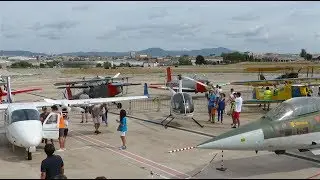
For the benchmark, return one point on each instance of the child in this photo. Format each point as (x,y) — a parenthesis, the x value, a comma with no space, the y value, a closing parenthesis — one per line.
(221,107)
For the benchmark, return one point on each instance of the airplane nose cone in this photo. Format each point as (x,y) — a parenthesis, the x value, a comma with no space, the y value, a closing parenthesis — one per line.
(250,140)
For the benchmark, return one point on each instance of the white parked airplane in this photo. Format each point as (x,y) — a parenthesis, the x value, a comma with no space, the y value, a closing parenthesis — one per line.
(22,120)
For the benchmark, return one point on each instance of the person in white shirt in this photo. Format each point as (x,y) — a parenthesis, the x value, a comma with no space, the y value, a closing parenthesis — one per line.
(237,111)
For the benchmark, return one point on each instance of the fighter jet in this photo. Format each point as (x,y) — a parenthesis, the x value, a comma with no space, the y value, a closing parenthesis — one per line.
(293,124)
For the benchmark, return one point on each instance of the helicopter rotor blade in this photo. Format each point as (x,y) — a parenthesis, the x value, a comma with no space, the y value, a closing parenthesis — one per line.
(185,77)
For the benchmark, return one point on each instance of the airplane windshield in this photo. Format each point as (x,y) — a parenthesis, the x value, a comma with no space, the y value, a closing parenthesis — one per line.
(187,98)
(24,115)
(282,112)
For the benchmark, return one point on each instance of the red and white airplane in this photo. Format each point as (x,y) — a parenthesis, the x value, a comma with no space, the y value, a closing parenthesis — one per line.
(195,84)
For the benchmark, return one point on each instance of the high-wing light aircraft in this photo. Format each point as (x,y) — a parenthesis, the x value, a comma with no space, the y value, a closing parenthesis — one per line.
(22,120)
(187,84)
(286,89)
(98,87)
(293,124)
(289,72)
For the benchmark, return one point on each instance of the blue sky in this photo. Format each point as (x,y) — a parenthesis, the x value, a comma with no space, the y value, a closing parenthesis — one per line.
(57,27)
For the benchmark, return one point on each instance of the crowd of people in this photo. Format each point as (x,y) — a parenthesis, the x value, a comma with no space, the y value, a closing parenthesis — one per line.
(53,167)
(217,103)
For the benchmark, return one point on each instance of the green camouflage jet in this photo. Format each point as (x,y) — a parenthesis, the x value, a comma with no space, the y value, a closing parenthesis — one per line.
(293,124)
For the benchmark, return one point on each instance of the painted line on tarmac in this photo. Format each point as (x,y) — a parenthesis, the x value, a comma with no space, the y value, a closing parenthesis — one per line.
(137,158)
(181,173)
(313,176)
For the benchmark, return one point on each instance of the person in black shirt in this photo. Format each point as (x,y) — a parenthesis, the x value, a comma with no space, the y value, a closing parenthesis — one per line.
(52,165)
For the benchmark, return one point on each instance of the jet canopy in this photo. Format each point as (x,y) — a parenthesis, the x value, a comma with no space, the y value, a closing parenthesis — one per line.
(293,108)
(182,103)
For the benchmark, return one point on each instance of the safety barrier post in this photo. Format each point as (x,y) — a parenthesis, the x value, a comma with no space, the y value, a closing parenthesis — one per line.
(130,109)
(222,168)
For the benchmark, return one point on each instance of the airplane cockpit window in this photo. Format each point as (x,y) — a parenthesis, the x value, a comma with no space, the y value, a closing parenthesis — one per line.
(24,115)
(177,101)
(282,112)
(187,98)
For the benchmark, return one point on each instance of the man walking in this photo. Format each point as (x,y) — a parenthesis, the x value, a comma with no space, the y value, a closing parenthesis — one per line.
(237,111)
(97,111)
(53,165)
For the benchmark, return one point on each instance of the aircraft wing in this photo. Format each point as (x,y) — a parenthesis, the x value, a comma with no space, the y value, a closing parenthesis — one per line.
(37,104)
(174,88)
(86,81)
(274,81)
(87,102)
(23,91)
(256,101)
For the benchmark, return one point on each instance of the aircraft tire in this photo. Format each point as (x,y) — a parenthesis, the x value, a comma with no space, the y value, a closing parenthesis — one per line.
(29,155)
(119,105)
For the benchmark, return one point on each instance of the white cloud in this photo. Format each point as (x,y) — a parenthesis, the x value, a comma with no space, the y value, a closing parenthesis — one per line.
(122,26)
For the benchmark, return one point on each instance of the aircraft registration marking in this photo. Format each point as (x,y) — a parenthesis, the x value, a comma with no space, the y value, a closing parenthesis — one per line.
(293,124)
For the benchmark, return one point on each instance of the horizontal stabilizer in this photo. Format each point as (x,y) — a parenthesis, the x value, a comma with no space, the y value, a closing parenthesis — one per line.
(316,151)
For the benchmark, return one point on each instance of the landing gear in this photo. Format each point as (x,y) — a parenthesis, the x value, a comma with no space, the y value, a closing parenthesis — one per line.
(165,125)
(172,118)
(278,152)
(29,155)
(119,105)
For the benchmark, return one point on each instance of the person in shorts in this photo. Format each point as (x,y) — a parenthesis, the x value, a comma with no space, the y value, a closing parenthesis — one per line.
(96,114)
(62,127)
(66,119)
(123,128)
(84,114)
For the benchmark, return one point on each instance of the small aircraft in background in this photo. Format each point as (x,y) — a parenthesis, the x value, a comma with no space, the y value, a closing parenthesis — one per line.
(289,71)
(195,85)
(283,89)
(98,87)
(293,124)
(4,93)
(23,127)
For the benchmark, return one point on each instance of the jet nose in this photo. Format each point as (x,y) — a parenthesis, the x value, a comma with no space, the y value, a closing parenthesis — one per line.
(250,140)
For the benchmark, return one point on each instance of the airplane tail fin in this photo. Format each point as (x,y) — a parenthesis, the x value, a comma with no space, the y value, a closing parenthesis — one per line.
(169,74)
(9,95)
(67,93)
(145,91)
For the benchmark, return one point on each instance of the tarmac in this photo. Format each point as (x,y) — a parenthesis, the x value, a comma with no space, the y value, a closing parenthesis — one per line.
(89,155)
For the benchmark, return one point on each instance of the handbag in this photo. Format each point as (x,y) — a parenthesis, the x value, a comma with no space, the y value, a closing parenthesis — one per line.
(119,128)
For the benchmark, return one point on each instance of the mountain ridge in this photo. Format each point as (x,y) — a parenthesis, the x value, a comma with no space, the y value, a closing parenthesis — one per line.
(155,52)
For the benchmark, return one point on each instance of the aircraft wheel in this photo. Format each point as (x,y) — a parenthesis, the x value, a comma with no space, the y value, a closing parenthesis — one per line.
(119,105)
(29,155)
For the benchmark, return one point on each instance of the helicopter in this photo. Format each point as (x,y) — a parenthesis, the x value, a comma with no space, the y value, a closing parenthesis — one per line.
(181,105)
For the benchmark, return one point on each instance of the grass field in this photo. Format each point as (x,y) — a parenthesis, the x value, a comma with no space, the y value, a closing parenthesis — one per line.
(231,68)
